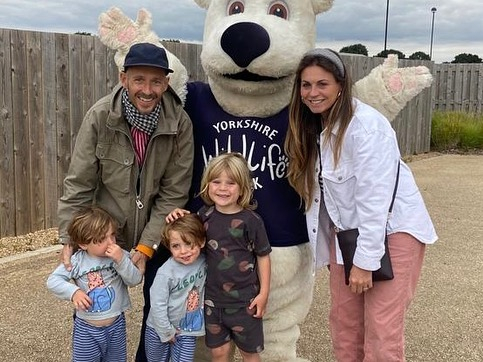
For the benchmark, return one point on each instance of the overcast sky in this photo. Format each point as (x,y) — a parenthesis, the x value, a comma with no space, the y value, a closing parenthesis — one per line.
(458,25)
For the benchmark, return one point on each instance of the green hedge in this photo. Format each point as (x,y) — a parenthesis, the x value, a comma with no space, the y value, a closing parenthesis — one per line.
(456,130)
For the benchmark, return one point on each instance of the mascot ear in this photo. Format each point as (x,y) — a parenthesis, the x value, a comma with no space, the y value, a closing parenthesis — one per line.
(203,3)
(321,6)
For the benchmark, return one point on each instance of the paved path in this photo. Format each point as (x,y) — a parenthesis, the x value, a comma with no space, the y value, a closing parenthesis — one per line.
(445,322)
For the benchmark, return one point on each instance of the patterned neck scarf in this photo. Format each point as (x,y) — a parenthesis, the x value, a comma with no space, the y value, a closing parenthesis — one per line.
(146,123)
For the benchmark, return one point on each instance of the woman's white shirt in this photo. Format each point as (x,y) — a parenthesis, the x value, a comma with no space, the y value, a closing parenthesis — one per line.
(358,192)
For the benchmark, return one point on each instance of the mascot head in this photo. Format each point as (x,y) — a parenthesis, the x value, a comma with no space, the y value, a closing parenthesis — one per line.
(251,49)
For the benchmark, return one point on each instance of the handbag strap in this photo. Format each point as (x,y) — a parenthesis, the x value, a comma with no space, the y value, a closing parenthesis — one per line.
(395,188)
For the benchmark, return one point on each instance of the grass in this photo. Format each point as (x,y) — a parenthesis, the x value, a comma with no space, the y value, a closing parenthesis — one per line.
(456,130)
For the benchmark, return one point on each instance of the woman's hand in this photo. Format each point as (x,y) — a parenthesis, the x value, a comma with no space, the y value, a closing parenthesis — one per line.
(360,280)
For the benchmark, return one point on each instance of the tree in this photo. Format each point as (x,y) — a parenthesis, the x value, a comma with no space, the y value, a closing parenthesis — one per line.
(384,53)
(355,49)
(419,56)
(467,58)
(82,33)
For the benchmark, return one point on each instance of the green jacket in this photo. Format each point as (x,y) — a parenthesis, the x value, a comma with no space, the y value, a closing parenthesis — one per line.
(104,170)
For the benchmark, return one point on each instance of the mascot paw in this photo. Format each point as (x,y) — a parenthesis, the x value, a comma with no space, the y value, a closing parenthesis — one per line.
(116,30)
(119,32)
(389,88)
(404,83)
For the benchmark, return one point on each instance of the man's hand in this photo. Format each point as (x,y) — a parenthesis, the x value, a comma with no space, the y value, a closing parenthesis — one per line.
(176,214)
(65,256)
(139,259)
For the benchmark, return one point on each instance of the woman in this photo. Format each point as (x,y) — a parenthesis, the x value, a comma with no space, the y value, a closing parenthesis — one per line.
(344,161)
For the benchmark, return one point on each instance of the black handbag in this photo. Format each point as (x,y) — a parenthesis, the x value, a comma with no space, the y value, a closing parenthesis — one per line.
(348,243)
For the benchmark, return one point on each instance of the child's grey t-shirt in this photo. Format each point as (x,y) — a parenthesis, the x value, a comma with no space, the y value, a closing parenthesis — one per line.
(104,281)
(177,298)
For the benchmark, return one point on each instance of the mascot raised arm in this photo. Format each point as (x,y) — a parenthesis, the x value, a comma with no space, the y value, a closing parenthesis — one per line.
(250,53)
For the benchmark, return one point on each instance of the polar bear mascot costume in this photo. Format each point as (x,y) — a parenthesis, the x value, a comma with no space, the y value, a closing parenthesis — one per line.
(250,53)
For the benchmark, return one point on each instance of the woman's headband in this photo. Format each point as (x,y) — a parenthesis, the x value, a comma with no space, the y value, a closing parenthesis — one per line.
(329,55)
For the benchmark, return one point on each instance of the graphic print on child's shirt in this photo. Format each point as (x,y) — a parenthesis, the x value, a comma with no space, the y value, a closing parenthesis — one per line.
(102,296)
(193,319)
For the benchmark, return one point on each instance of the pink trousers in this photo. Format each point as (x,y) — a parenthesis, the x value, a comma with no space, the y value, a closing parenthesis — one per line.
(369,327)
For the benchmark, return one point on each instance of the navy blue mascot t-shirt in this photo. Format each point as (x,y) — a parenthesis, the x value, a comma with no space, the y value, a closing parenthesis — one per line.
(260,140)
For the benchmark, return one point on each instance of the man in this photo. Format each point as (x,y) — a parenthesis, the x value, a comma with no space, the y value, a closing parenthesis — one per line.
(133,157)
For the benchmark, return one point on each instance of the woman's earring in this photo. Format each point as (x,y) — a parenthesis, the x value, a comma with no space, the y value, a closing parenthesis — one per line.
(338,95)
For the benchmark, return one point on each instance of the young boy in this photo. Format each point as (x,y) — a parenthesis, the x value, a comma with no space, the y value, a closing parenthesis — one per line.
(177,294)
(237,255)
(101,272)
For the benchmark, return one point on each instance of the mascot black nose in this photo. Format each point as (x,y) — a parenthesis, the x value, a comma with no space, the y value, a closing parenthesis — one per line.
(244,42)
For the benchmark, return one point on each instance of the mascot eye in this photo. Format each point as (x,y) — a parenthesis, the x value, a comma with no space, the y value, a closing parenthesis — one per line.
(236,7)
(279,9)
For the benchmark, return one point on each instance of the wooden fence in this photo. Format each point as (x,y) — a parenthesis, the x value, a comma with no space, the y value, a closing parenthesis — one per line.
(47,83)
(458,87)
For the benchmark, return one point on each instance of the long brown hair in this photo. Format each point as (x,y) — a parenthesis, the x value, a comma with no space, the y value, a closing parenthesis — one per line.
(305,126)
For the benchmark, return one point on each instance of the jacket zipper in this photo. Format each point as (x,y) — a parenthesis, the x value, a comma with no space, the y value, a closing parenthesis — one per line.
(139,203)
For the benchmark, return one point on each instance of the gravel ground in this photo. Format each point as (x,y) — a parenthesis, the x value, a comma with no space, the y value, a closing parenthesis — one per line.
(445,321)
(33,241)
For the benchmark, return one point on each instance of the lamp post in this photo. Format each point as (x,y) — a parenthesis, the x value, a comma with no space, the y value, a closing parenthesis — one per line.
(433,10)
(385,29)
